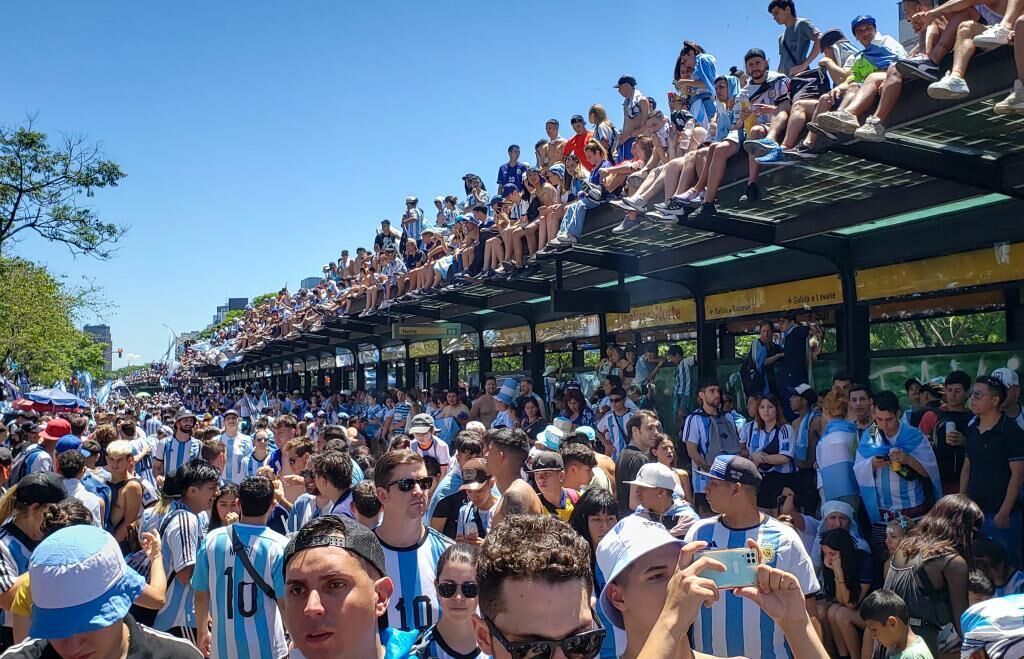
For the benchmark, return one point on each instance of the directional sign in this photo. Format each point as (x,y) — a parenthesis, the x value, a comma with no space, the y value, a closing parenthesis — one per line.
(432,331)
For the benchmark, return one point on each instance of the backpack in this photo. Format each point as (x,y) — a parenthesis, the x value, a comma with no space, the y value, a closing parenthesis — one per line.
(19,469)
(751,379)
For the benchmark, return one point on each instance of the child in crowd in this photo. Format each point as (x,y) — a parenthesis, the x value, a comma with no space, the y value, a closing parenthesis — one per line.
(887,618)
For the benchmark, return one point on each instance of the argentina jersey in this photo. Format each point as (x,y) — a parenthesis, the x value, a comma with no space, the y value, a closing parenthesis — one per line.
(251,464)
(695,431)
(303,510)
(15,550)
(246,622)
(735,626)
(142,453)
(180,532)
(175,453)
(414,604)
(237,448)
(614,427)
(1013,586)
(779,441)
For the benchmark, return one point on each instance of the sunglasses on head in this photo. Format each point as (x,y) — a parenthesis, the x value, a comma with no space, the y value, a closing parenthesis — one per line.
(585,645)
(446,589)
(406,484)
(475,475)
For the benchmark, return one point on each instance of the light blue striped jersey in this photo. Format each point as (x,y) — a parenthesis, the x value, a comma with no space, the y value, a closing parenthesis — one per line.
(251,464)
(174,453)
(153,424)
(433,645)
(761,440)
(1013,586)
(399,415)
(303,510)
(142,452)
(237,448)
(180,536)
(695,431)
(414,604)
(735,626)
(15,550)
(246,623)
(614,426)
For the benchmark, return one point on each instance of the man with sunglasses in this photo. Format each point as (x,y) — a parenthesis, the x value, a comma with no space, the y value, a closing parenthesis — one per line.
(612,425)
(993,470)
(535,588)
(475,516)
(411,550)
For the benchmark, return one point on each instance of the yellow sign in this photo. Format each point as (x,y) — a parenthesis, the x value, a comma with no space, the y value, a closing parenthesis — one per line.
(815,292)
(675,312)
(577,327)
(432,331)
(996,264)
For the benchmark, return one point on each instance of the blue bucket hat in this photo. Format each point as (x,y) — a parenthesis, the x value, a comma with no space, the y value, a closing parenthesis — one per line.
(104,585)
(508,391)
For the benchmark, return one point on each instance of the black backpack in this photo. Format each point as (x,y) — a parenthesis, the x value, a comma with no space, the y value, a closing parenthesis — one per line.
(751,379)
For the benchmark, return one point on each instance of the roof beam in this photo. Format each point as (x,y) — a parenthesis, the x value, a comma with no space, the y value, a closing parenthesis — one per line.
(522,285)
(614,261)
(732,224)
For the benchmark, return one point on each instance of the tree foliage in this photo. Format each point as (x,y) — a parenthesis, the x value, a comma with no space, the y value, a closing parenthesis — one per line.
(229,317)
(38,316)
(43,188)
(260,299)
(976,328)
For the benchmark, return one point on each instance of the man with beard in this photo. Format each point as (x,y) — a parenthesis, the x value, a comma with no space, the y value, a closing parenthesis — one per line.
(484,410)
(181,448)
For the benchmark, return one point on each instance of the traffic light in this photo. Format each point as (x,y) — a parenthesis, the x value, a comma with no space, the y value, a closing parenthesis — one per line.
(120,353)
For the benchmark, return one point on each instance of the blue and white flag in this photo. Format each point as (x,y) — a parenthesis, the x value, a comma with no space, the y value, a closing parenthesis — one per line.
(835,456)
(104,393)
(897,493)
(86,384)
(59,385)
(264,401)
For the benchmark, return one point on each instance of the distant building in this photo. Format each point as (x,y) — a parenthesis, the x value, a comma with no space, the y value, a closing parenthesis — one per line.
(906,36)
(233,304)
(310,282)
(101,334)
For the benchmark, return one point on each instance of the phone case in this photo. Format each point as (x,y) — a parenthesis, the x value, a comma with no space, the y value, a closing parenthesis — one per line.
(740,567)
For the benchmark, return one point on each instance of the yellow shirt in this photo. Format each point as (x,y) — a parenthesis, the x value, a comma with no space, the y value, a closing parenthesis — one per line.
(22,604)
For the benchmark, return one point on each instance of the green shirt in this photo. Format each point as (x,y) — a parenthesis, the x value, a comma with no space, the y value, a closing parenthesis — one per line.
(916,650)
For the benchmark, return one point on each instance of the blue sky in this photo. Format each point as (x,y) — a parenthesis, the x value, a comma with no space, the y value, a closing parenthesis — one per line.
(260,138)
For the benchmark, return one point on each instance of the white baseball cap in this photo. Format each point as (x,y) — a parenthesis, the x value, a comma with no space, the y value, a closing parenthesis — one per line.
(1007,376)
(655,474)
(631,538)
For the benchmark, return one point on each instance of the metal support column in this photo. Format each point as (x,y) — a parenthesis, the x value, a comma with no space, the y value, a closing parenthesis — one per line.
(855,337)
(483,355)
(535,367)
(707,342)
(602,333)
(444,371)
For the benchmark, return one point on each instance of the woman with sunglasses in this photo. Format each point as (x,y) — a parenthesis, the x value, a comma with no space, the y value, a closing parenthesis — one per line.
(452,637)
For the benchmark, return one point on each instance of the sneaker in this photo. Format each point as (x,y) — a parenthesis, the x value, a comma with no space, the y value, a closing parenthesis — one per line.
(918,67)
(707,209)
(1014,102)
(751,195)
(760,147)
(663,218)
(950,88)
(627,224)
(818,130)
(776,157)
(691,198)
(675,206)
(994,36)
(802,152)
(871,131)
(839,121)
(635,204)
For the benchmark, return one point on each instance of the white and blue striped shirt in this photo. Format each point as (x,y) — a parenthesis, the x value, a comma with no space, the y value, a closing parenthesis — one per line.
(144,458)
(735,626)
(14,555)
(174,453)
(153,424)
(246,623)
(251,464)
(414,604)
(763,440)
(237,448)
(303,510)
(614,427)
(180,538)
(399,415)
(1013,586)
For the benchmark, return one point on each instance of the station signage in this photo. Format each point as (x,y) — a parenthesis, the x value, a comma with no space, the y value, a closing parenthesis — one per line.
(431,331)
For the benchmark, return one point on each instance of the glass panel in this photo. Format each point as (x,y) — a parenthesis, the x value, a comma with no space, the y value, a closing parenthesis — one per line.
(941,331)
(510,336)
(469,342)
(423,349)
(393,353)
(568,328)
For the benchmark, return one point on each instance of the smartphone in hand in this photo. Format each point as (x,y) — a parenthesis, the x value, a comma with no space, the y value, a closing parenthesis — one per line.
(740,567)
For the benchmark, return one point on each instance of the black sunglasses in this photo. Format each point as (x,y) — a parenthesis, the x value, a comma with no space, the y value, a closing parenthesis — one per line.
(446,589)
(406,484)
(616,399)
(584,645)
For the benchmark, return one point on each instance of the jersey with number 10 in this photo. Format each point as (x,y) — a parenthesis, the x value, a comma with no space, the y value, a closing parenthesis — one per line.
(246,623)
(414,570)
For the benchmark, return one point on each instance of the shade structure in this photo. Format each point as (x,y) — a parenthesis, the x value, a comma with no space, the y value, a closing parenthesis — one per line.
(49,400)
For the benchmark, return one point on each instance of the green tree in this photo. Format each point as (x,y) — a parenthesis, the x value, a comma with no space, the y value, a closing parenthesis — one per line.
(43,190)
(260,299)
(943,331)
(38,316)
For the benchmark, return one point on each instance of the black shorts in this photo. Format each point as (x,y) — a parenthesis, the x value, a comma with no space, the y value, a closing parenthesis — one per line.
(808,87)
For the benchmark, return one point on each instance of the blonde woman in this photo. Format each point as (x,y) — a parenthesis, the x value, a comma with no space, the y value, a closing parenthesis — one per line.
(604,130)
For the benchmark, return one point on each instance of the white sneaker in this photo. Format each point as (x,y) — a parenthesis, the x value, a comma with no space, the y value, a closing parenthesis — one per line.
(994,36)
(636,204)
(950,88)
(688,196)
(839,121)
(1013,103)
(871,131)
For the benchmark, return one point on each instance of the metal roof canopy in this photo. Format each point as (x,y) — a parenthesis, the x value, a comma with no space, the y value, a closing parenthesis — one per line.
(814,217)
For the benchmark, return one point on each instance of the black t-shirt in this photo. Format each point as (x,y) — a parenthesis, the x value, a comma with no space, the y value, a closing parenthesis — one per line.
(990,454)
(448,508)
(415,260)
(143,643)
(950,458)
(626,468)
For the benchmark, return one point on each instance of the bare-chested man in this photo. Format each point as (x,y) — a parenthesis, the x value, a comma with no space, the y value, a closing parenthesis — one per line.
(125,489)
(551,153)
(454,408)
(506,454)
(484,410)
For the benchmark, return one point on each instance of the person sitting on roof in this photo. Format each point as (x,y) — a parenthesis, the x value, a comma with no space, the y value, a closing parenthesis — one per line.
(953,87)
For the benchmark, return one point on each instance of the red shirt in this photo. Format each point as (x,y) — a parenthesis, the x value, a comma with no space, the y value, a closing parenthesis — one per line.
(577,144)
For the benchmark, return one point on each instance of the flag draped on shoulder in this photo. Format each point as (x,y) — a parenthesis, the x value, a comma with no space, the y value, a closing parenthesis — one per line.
(873,443)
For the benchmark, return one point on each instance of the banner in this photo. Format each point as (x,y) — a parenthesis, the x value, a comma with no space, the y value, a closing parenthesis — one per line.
(662,314)
(803,294)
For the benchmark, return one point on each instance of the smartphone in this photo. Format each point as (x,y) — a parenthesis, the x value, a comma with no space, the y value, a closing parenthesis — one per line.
(740,567)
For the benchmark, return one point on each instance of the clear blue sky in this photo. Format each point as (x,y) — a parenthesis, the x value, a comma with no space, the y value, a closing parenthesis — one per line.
(260,138)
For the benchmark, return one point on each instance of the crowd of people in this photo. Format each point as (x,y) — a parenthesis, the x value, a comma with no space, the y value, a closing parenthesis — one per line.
(823,86)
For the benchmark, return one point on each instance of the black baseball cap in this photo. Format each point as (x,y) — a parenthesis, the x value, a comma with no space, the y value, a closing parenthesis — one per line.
(356,538)
(734,469)
(754,52)
(40,487)
(547,461)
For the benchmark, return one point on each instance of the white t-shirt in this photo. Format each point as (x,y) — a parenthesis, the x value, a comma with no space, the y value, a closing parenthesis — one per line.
(91,501)
(437,449)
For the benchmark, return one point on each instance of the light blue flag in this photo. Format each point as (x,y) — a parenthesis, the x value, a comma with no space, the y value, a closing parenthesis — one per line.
(85,380)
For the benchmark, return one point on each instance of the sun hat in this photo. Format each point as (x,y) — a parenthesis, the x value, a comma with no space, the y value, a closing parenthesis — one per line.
(56,428)
(628,540)
(655,474)
(423,423)
(104,586)
(563,423)
(588,432)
